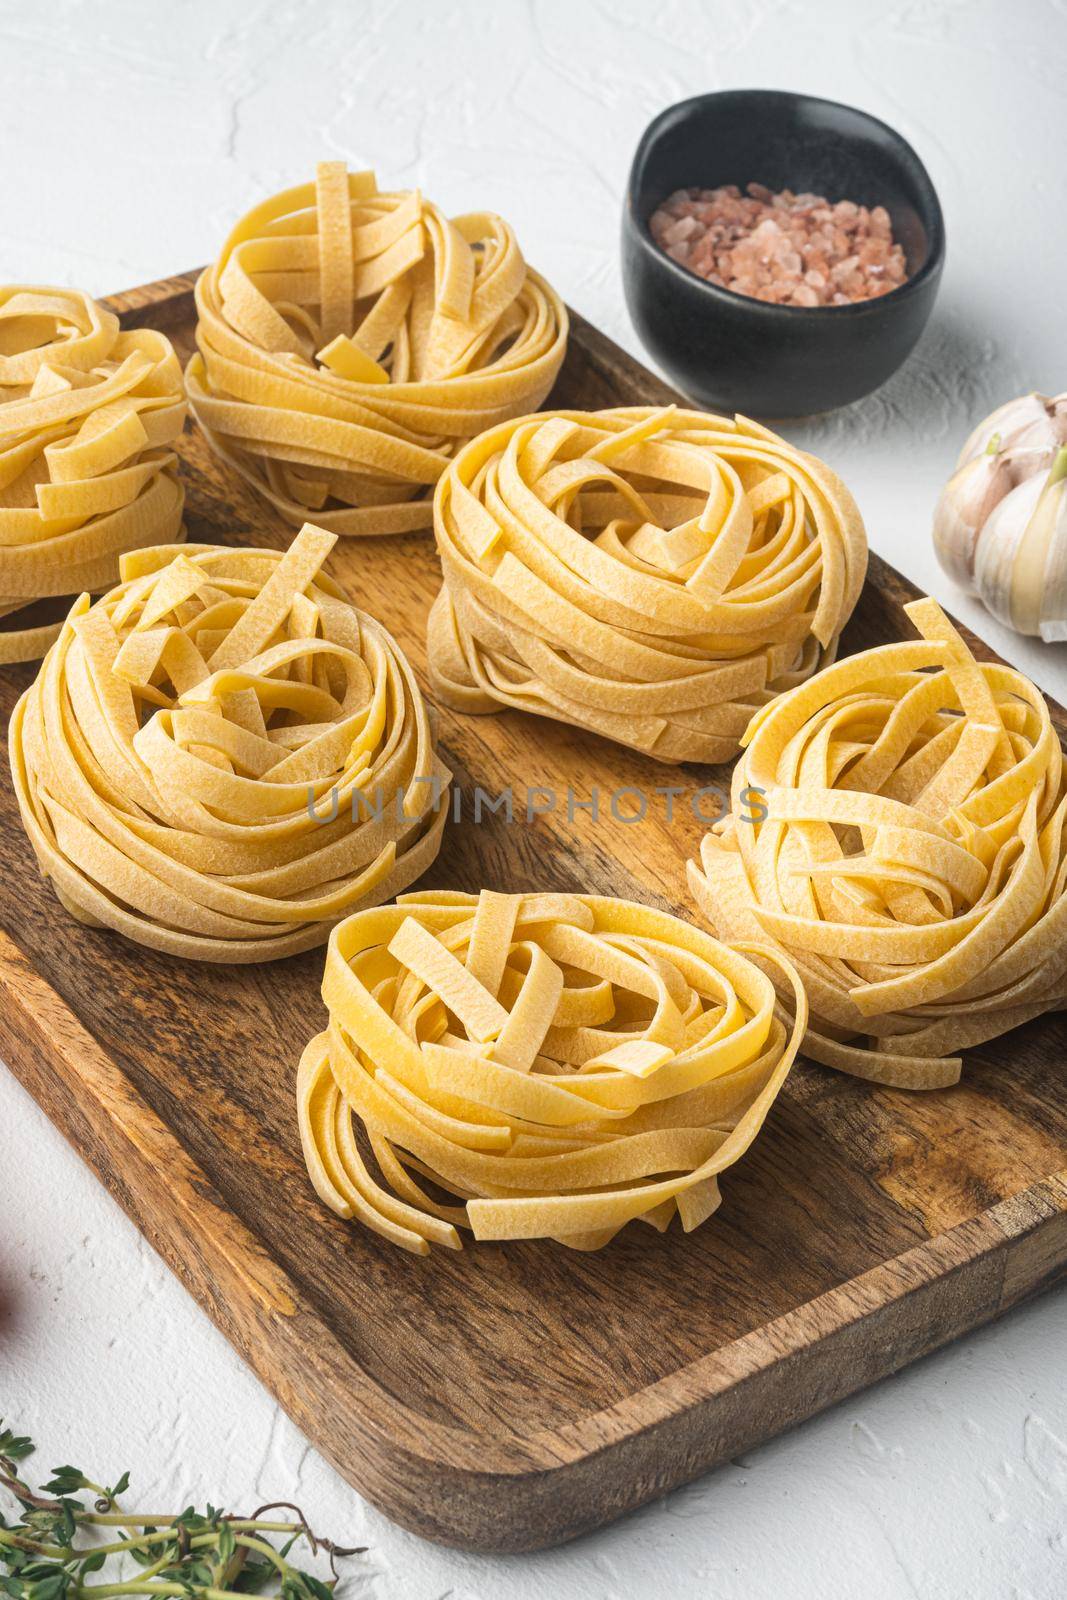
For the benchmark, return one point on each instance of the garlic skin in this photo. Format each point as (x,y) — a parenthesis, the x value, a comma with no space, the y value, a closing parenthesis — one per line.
(1000,526)
(1033,421)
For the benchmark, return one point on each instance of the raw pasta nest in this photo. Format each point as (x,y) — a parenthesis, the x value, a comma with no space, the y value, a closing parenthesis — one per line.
(87,418)
(653,575)
(223,757)
(350,339)
(910,859)
(554,1065)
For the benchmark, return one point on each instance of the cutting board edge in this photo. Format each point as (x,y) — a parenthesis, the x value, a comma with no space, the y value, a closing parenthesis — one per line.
(435,1480)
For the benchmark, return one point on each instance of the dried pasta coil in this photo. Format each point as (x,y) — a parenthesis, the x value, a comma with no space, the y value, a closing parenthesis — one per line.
(223,757)
(350,339)
(905,850)
(87,418)
(653,575)
(534,1066)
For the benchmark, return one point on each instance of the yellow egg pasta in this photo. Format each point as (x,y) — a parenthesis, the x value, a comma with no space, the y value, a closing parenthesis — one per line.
(907,854)
(653,575)
(350,339)
(534,1066)
(223,757)
(88,415)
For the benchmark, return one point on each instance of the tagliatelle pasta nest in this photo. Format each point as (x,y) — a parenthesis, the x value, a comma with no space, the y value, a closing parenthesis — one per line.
(907,854)
(223,757)
(350,339)
(87,417)
(534,1065)
(654,575)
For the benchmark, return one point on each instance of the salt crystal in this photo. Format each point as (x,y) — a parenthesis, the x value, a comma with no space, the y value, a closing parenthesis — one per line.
(784,248)
(682,229)
(844,269)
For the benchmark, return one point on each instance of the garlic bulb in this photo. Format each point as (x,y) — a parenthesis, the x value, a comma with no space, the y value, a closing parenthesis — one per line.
(1000,528)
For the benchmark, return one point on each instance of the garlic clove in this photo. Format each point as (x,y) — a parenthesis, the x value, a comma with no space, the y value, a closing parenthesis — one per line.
(971,495)
(998,545)
(1021,555)
(1027,459)
(1032,420)
(1053,509)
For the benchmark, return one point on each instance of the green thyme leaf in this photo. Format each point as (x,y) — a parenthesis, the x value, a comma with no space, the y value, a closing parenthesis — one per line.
(147,1555)
(51,1586)
(65,1480)
(315,1587)
(253,1577)
(66,1523)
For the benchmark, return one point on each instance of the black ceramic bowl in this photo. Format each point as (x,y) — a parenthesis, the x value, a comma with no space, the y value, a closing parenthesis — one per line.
(727,350)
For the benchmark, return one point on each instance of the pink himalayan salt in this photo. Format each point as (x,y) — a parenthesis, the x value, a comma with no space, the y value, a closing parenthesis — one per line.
(784,249)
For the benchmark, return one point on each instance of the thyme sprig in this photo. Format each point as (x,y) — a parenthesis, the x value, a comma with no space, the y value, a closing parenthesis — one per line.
(59,1542)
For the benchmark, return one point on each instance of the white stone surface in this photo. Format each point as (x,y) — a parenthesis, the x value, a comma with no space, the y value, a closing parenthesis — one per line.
(132,134)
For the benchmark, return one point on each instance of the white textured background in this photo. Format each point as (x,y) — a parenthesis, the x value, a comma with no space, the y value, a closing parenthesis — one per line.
(132,135)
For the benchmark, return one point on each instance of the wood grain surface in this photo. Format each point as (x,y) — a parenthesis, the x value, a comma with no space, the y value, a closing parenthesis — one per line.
(513,1396)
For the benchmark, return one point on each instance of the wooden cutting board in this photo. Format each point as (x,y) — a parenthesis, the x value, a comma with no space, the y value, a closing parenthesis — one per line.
(509,1397)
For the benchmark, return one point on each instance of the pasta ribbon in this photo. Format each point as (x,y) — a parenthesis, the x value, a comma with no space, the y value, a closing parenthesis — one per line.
(350,339)
(88,415)
(909,854)
(223,757)
(652,575)
(535,1066)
